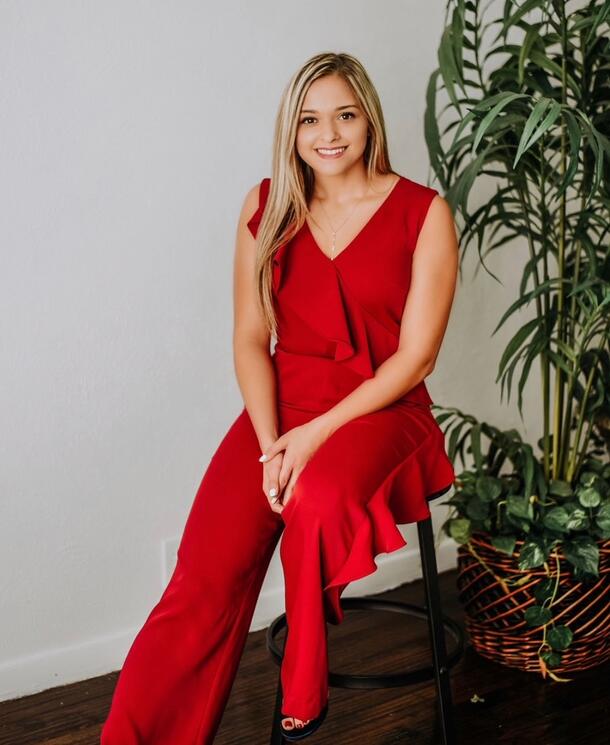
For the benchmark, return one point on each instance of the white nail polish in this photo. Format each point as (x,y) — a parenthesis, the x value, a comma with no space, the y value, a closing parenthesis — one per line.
(263,458)
(272,491)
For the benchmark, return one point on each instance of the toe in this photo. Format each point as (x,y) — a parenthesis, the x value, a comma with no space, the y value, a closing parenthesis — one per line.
(293,722)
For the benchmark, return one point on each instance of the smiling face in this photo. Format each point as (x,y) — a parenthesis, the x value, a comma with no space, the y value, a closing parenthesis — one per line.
(332,129)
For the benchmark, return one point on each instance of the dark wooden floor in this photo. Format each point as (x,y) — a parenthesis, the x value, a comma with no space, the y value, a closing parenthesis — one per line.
(517,707)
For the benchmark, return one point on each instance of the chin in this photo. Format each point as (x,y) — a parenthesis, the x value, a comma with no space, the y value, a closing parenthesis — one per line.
(337,165)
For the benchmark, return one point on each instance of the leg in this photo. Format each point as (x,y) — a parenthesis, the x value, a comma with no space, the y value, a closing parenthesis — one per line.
(179,671)
(437,630)
(304,671)
(338,519)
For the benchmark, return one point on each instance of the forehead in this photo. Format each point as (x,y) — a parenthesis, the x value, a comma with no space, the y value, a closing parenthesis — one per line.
(329,93)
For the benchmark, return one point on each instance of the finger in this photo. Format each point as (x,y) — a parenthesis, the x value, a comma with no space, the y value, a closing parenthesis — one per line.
(274,499)
(284,475)
(269,453)
(272,450)
(287,495)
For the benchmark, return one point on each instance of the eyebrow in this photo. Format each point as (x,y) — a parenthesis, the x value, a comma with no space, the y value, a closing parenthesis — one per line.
(347,106)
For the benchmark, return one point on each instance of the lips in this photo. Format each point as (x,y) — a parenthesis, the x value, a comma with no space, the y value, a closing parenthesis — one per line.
(331,152)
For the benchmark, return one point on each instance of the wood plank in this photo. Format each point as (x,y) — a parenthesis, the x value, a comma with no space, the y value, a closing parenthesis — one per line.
(518,707)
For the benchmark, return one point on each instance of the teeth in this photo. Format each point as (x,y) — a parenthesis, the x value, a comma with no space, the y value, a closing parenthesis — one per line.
(330,152)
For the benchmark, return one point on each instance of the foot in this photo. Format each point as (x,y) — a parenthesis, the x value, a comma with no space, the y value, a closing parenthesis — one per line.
(294,723)
(297,729)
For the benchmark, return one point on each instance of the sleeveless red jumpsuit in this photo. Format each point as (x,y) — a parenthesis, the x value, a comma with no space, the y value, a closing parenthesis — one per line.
(338,320)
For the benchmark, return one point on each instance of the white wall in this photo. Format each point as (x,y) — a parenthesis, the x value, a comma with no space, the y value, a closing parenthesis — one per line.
(129,135)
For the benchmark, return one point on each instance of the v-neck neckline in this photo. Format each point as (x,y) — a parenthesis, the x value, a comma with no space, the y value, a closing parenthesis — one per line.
(359,233)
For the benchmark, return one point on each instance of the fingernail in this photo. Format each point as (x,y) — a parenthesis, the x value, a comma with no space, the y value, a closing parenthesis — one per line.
(263,458)
(272,491)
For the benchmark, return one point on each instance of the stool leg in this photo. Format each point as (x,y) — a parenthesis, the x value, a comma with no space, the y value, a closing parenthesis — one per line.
(437,632)
(276,733)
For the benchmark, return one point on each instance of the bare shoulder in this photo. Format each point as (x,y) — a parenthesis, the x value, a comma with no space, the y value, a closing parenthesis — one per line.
(438,232)
(441,209)
(250,203)
(439,214)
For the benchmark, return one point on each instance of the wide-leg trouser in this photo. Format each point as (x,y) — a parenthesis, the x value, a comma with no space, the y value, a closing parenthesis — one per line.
(178,674)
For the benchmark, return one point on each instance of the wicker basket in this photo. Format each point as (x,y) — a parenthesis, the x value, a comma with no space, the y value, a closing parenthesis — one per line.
(494,615)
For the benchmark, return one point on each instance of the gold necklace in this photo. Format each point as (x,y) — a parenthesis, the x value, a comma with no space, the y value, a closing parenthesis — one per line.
(336,230)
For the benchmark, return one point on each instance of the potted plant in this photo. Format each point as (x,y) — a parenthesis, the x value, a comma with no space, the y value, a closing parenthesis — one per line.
(529,109)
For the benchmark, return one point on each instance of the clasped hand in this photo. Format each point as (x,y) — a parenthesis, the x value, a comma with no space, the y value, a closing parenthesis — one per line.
(284,460)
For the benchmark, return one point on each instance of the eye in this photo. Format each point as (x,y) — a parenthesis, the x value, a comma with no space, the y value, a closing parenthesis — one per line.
(349,114)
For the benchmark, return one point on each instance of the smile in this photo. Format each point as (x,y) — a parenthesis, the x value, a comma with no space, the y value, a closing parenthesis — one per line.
(331,153)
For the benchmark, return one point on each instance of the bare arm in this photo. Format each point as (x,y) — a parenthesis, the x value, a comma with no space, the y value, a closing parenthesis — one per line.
(253,366)
(423,324)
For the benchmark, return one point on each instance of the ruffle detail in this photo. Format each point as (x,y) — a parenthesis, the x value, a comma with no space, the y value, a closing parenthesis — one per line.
(402,497)
(327,312)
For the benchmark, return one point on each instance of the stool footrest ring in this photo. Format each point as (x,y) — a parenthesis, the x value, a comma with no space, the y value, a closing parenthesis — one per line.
(417,675)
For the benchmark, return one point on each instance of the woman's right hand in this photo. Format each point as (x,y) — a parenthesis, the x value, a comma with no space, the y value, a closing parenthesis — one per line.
(271,481)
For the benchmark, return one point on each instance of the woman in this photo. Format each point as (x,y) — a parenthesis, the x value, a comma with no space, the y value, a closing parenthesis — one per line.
(353,268)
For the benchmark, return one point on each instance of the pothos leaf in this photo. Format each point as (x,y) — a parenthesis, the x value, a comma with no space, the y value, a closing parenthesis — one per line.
(559,637)
(531,555)
(505,543)
(537,615)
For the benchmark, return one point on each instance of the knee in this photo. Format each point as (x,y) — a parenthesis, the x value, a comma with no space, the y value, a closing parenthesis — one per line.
(206,583)
(315,494)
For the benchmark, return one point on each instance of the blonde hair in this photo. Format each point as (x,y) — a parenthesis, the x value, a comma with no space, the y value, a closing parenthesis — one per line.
(292,180)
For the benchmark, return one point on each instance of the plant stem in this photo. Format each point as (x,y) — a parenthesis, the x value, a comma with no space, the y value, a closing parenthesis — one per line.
(561,320)
(572,467)
(544,358)
(485,566)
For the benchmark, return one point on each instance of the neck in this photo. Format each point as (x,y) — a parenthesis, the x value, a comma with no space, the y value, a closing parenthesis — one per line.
(341,188)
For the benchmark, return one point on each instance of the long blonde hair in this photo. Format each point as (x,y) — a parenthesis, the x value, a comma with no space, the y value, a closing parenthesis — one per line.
(292,180)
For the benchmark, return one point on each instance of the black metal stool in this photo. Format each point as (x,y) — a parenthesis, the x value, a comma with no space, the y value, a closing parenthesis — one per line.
(437,623)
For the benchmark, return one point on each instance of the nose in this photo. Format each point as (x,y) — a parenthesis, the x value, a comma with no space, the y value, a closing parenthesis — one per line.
(329,132)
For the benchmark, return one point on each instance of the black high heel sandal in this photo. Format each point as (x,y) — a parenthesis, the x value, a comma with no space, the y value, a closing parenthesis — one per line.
(298,733)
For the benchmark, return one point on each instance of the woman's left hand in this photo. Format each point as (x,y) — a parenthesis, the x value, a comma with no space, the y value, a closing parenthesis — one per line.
(299,444)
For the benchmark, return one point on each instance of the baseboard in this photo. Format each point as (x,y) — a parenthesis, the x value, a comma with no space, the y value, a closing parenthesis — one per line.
(55,667)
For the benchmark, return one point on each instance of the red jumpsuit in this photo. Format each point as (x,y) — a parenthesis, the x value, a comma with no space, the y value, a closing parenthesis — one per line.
(337,321)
